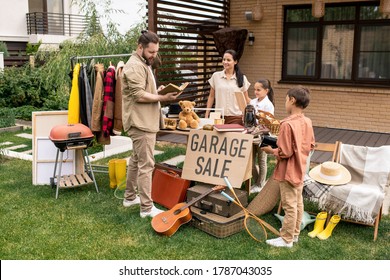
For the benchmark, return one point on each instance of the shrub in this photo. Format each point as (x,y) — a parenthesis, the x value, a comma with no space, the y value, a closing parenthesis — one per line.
(24,112)
(4,49)
(7,117)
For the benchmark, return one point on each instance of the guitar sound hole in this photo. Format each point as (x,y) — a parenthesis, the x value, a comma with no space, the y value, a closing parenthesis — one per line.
(177,212)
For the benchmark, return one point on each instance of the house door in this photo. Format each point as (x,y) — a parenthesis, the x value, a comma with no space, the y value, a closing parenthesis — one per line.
(48,16)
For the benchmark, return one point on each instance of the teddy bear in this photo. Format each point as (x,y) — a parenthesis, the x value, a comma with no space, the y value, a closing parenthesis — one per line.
(187,117)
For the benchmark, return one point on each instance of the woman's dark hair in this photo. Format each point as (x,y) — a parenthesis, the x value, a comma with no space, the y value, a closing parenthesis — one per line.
(148,37)
(301,95)
(267,85)
(239,74)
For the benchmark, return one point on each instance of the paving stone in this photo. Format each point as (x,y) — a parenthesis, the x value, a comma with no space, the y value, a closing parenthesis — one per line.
(25,135)
(17,147)
(175,160)
(6,143)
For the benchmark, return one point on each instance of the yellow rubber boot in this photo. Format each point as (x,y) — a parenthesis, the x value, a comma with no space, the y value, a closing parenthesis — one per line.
(318,224)
(111,173)
(120,173)
(327,232)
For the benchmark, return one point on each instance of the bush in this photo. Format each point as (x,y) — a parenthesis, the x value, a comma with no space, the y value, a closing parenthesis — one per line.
(4,49)
(24,112)
(7,117)
(21,86)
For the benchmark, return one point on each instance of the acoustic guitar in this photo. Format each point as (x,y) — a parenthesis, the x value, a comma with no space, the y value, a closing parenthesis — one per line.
(168,222)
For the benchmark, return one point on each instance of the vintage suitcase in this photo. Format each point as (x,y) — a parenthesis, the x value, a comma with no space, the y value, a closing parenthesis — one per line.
(217,225)
(215,202)
(168,188)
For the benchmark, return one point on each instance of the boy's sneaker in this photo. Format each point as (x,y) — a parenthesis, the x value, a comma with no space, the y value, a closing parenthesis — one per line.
(255,189)
(279,242)
(296,237)
(129,203)
(153,212)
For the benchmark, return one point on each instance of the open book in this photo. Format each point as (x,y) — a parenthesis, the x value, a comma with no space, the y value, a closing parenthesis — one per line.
(173,88)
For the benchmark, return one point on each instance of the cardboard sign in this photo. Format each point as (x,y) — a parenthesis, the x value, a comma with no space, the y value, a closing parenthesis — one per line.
(212,155)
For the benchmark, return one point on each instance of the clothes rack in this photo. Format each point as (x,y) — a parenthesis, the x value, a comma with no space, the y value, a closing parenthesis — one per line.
(99,56)
(76,58)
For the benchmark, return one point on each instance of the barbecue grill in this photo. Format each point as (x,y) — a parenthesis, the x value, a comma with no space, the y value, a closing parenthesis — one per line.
(71,137)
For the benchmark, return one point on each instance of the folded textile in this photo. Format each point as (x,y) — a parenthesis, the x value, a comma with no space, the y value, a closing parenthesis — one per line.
(314,190)
(362,198)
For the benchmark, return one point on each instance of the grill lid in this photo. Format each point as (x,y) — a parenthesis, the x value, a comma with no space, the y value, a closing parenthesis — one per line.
(70,132)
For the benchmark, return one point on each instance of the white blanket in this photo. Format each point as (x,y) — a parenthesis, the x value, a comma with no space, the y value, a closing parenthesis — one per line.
(361,199)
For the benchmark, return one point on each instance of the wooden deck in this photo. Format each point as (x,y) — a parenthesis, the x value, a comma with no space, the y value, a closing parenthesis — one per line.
(352,137)
(322,134)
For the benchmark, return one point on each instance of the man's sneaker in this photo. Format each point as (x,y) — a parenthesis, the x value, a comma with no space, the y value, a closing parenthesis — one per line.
(279,242)
(129,203)
(153,212)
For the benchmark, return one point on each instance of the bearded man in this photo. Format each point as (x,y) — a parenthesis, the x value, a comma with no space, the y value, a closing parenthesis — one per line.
(141,121)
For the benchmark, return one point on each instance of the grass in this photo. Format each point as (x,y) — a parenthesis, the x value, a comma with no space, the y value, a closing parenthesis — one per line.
(16,140)
(82,224)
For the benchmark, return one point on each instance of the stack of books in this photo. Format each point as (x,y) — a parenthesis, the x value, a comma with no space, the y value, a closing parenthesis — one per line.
(229,127)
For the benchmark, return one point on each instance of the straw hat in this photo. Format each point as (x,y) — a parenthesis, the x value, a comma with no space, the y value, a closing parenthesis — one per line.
(330,173)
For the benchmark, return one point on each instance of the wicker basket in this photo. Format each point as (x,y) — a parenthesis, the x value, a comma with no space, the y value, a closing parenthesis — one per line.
(274,128)
(267,120)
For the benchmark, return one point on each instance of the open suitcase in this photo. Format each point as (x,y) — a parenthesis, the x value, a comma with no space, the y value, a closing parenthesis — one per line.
(215,202)
(217,225)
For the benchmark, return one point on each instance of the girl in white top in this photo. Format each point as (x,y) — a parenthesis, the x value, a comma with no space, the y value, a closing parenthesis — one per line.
(264,101)
(224,84)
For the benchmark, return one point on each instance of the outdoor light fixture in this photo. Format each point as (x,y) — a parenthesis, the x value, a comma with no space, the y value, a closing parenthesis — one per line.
(256,14)
(318,8)
(384,7)
(251,38)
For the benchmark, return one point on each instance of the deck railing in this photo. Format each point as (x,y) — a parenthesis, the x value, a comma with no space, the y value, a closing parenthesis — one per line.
(55,23)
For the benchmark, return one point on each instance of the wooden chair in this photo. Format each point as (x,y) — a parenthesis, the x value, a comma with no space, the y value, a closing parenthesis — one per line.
(345,162)
(335,149)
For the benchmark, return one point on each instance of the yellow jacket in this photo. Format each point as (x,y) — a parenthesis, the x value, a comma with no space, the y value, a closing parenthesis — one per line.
(74,99)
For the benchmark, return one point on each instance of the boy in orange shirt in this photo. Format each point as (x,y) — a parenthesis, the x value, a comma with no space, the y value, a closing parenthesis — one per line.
(295,140)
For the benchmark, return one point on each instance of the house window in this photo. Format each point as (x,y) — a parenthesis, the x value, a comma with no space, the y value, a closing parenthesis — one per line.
(348,45)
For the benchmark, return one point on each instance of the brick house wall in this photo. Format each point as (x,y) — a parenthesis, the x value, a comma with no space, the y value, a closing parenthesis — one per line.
(347,107)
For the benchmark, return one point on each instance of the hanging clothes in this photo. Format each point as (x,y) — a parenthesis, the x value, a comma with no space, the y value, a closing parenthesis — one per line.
(97,106)
(91,75)
(118,99)
(88,97)
(109,101)
(74,99)
(82,96)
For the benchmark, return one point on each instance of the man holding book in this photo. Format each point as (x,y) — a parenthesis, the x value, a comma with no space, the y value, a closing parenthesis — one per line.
(141,121)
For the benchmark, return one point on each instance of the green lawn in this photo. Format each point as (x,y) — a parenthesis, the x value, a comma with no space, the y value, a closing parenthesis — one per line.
(83,224)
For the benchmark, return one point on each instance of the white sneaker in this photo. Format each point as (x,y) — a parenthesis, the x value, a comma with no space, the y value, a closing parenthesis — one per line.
(153,212)
(129,203)
(255,189)
(296,237)
(279,242)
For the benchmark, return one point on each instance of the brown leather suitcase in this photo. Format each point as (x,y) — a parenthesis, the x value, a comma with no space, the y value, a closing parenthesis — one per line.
(215,202)
(168,188)
(216,225)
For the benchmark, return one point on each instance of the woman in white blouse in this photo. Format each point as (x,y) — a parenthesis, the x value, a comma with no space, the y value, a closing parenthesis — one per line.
(224,84)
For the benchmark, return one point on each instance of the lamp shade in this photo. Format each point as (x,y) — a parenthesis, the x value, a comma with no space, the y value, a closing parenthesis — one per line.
(258,12)
(384,7)
(318,8)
